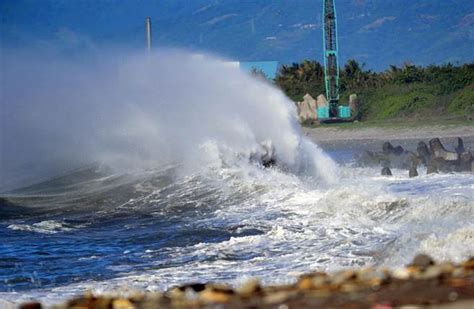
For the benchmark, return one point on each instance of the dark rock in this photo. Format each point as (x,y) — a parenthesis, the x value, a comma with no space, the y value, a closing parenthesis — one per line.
(460,148)
(466,162)
(412,172)
(445,166)
(196,287)
(387,148)
(411,159)
(369,158)
(265,157)
(398,151)
(431,168)
(386,171)
(33,305)
(438,151)
(422,261)
(423,153)
(269,156)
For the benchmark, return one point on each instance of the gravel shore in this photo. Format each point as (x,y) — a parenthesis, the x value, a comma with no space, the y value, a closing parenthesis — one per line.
(422,283)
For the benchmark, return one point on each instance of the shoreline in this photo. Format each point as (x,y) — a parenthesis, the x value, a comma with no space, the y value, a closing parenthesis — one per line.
(421,283)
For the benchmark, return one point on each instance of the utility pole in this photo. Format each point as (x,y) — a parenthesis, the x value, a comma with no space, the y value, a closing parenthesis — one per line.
(148,34)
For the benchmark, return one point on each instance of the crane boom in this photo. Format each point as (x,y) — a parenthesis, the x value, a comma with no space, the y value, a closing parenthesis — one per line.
(331,65)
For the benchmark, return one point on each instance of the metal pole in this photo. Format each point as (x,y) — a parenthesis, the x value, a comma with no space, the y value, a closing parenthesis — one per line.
(148,33)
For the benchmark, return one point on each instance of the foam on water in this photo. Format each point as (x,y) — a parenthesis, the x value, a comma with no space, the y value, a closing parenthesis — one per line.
(44,227)
(302,226)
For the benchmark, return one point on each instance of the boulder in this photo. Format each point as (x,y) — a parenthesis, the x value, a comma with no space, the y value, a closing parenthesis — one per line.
(431,168)
(424,153)
(466,162)
(354,103)
(460,147)
(438,151)
(412,172)
(435,157)
(386,171)
(269,156)
(307,109)
(322,101)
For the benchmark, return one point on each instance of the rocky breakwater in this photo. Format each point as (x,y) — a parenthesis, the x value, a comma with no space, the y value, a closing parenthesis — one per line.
(421,283)
(434,156)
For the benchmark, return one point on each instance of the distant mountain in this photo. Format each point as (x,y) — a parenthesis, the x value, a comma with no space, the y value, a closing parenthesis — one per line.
(375,32)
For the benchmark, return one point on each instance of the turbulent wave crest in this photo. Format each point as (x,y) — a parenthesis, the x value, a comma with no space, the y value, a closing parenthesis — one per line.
(142,111)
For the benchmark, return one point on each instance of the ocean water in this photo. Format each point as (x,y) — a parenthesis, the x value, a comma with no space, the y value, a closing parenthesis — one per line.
(167,200)
(95,230)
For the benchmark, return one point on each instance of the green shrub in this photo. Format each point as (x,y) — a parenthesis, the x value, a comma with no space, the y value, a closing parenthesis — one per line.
(463,103)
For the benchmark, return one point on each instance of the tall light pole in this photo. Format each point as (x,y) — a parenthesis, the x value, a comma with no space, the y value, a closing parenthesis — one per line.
(148,34)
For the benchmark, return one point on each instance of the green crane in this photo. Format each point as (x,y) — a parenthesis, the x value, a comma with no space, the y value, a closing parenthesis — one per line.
(334,112)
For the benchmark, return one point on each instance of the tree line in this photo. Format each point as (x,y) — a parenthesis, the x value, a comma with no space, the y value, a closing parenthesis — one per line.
(396,92)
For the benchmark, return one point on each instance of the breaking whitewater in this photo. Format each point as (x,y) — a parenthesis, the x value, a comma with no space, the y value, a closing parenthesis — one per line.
(149,172)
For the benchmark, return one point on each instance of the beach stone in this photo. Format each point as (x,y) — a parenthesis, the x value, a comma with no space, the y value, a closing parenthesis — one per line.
(380,277)
(122,303)
(343,277)
(278,297)
(320,280)
(249,288)
(306,283)
(469,264)
(90,301)
(211,295)
(32,305)
(386,171)
(349,287)
(432,272)
(412,172)
(401,274)
(422,261)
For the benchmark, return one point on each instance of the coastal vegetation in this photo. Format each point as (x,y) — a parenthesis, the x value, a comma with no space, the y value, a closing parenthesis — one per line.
(399,92)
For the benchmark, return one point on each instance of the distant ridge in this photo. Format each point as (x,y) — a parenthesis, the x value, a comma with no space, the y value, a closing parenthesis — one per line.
(375,32)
